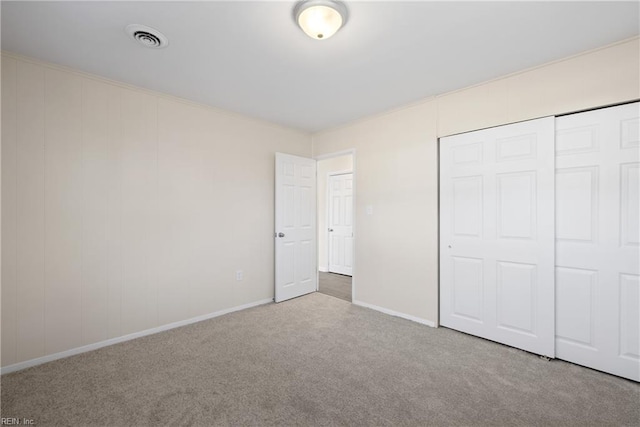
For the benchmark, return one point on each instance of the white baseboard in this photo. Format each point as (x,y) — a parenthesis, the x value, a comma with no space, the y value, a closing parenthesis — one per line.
(323,269)
(90,347)
(395,313)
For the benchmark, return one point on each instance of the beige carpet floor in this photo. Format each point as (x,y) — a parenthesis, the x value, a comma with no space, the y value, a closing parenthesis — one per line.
(315,360)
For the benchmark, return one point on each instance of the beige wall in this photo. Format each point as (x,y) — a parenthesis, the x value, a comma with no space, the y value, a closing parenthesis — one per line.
(597,78)
(396,253)
(124,209)
(395,247)
(326,167)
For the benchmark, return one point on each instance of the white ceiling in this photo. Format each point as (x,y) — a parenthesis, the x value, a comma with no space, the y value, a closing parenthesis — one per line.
(251,58)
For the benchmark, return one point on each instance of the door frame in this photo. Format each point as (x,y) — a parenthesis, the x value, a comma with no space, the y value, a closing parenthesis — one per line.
(328,211)
(352,152)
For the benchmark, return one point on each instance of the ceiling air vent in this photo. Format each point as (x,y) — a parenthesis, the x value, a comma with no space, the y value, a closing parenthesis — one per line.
(147,36)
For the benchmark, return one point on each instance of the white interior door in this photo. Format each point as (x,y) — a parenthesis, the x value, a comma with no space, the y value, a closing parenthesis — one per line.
(598,238)
(497,234)
(295,222)
(341,224)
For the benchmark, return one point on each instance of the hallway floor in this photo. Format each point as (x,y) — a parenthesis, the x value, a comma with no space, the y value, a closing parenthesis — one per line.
(335,285)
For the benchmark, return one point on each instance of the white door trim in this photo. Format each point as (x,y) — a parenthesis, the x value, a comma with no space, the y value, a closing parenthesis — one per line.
(351,151)
(354,161)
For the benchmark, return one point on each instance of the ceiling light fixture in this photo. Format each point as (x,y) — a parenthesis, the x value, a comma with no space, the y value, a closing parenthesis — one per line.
(320,19)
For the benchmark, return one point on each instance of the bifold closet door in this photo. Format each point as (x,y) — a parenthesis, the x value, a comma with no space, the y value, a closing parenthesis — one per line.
(598,238)
(497,234)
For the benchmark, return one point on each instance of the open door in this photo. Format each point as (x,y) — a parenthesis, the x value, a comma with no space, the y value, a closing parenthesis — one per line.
(295,222)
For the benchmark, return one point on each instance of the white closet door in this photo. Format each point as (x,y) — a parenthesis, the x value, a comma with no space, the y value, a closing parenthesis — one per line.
(497,234)
(597,239)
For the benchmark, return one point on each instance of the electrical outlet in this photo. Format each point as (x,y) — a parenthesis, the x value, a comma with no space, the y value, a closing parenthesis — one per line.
(239,275)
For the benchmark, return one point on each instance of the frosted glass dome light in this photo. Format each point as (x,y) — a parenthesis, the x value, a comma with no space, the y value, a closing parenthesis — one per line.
(320,19)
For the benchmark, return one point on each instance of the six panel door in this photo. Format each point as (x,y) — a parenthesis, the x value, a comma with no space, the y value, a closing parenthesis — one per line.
(341,224)
(597,239)
(497,234)
(295,226)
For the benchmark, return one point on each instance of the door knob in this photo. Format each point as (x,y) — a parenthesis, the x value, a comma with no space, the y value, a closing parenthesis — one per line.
(330,230)
(281,234)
